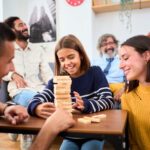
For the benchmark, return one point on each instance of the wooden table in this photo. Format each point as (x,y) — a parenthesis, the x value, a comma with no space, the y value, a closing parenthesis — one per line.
(111,128)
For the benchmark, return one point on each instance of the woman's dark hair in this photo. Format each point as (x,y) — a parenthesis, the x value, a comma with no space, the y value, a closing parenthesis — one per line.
(70,41)
(141,44)
(10,21)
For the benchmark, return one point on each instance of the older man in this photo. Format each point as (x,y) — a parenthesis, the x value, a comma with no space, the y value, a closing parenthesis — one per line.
(109,63)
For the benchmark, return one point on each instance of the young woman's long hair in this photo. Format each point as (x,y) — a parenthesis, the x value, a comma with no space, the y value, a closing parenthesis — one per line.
(141,44)
(71,42)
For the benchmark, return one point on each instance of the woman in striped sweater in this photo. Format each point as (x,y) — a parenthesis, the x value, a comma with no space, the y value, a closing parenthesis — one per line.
(89,90)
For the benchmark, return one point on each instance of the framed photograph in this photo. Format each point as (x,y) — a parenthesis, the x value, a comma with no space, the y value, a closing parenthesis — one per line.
(42,21)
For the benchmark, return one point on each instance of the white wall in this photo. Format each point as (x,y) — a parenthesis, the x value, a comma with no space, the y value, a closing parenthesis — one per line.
(70,20)
(1,10)
(110,23)
(15,8)
(20,8)
(77,21)
(83,23)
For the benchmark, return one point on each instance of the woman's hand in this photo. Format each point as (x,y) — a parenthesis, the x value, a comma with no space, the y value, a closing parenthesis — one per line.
(117,96)
(45,110)
(79,102)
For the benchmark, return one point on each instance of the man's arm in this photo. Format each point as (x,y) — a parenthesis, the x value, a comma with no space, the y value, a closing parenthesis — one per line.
(8,77)
(51,128)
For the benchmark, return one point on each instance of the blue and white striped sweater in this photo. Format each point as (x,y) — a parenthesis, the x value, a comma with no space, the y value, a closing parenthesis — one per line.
(92,87)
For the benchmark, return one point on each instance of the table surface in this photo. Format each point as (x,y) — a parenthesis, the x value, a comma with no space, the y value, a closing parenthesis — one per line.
(114,123)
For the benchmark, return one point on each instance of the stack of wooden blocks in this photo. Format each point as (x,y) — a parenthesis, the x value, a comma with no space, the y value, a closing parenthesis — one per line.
(62,90)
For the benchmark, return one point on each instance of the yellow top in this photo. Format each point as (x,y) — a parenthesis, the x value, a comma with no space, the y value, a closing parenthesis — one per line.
(137,103)
(115,87)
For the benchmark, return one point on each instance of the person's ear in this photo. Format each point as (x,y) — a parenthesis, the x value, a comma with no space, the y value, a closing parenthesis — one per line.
(13,30)
(81,57)
(148,34)
(147,55)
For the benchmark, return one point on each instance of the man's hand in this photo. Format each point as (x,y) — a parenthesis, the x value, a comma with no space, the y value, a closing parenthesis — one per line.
(60,120)
(15,113)
(19,80)
(45,110)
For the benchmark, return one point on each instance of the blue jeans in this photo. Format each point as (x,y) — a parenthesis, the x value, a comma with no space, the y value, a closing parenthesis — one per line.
(24,97)
(80,144)
(117,105)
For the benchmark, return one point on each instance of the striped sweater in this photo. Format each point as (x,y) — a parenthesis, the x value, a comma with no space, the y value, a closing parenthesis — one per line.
(92,87)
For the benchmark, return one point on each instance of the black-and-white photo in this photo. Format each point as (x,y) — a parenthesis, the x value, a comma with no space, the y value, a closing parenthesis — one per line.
(42,21)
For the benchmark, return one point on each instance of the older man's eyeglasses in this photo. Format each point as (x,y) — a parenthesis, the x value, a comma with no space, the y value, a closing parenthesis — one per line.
(105,44)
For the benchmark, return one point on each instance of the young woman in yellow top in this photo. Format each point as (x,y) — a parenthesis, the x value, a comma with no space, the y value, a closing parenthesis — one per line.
(135,62)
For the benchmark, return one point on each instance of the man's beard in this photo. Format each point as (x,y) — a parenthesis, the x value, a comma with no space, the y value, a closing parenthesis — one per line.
(20,36)
(113,54)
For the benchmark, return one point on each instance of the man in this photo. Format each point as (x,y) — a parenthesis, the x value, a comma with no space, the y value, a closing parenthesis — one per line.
(6,65)
(54,124)
(109,63)
(30,61)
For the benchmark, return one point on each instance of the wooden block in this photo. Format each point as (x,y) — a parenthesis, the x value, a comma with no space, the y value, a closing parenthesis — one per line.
(63,82)
(62,79)
(85,121)
(62,91)
(99,116)
(74,111)
(62,87)
(94,120)
(66,96)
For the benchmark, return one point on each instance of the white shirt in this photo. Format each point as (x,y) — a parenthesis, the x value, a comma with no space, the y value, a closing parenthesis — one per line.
(30,63)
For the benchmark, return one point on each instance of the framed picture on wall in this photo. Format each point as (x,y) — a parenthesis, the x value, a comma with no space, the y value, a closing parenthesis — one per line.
(42,21)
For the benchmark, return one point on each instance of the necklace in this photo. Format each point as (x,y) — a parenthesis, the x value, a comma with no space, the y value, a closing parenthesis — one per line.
(137,95)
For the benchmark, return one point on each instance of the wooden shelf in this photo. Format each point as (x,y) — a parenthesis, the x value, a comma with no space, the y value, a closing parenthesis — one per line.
(116,7)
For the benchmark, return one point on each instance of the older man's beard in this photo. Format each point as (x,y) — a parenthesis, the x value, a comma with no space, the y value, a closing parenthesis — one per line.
(113,54)
(20,36)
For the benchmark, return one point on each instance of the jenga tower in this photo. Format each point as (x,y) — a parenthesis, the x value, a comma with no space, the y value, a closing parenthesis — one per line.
(62,90)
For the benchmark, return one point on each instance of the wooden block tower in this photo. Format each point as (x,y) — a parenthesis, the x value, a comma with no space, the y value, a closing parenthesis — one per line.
(62,90)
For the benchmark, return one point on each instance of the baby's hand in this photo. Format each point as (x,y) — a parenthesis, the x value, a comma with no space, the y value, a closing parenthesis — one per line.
(79,102)
(45,110)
